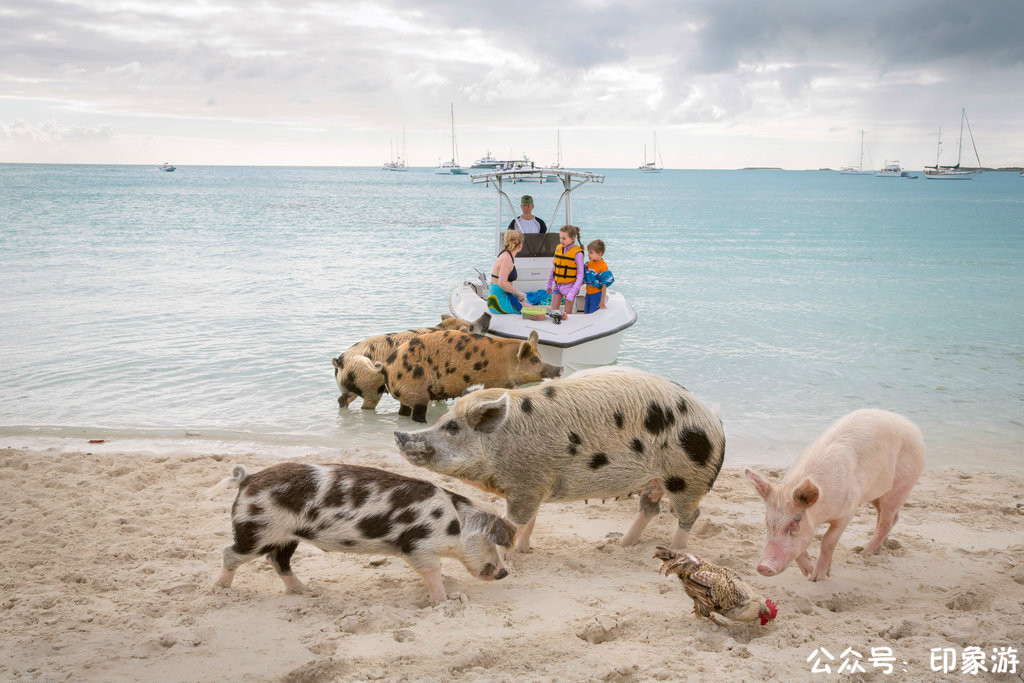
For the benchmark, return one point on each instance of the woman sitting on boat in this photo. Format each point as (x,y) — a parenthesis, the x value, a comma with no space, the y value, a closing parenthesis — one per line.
(504,297)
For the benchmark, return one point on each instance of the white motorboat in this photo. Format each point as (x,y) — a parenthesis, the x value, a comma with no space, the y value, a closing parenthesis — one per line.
(166,167)
(938,172)
(577,342)
(892,169)
(488,161)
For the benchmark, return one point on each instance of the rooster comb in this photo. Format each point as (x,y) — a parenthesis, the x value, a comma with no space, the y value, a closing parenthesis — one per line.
(772,611)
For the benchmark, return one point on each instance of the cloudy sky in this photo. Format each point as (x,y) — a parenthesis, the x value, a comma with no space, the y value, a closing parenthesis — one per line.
(721,83)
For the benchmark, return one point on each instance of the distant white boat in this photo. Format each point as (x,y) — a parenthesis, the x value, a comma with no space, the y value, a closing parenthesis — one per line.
(859,169)
(399,164)
(452,166)
(652,165)
(166,167)
(488,161)
(892,169)
(938,172)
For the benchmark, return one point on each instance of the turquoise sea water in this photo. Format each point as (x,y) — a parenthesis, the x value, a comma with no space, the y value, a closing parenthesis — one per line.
(199,310)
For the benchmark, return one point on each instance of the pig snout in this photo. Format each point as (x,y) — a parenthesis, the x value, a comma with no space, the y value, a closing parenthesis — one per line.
(551,371)
(773,561)
(414,448)
(490,572)
(346,398)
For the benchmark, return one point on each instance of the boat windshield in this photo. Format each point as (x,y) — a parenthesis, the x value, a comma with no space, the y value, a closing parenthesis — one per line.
(540,245)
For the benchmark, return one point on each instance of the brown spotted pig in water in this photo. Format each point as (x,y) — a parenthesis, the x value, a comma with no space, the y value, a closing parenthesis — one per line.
(359,372)
(362,510)
(440,365)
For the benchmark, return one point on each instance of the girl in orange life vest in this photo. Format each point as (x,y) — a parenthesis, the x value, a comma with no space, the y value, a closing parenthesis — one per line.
(566,276)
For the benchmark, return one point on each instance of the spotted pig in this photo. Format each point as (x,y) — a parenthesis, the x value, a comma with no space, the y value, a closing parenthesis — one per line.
(360,370)
(440,365)
(598,433)
(363,510)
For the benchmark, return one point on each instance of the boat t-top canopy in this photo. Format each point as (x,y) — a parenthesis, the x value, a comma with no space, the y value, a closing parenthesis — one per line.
(571,180)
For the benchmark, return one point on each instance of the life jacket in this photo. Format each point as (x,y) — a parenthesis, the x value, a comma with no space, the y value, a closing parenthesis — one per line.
(565,263)
(597,275)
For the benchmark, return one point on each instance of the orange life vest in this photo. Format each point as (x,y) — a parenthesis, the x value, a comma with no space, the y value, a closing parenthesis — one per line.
(598,266)
(565,263)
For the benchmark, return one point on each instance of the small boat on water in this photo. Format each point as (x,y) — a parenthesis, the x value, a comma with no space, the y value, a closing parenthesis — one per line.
(938,172)
(652,165)
(399,164)
(859,169)
(486,162)
(892,169)
(166,167)
(451,167)
(577,342)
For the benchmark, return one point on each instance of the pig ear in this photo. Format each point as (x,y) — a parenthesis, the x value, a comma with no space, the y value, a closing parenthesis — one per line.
(805,495)
(763,488)
(445,316)
(487,416)
(482,324)
(502,533)
(529,345)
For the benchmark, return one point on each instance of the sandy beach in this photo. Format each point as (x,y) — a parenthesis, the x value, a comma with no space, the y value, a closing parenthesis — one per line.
(109,561)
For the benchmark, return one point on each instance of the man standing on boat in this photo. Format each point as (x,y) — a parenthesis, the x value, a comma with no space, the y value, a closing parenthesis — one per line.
(527,222)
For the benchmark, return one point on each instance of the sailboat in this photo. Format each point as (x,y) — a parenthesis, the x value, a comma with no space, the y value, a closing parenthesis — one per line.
(938,172)
(451,167)
(859,170)
(652,165)
(399,165)
(558,144)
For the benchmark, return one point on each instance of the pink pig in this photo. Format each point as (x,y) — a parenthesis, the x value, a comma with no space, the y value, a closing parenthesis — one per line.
(868,455)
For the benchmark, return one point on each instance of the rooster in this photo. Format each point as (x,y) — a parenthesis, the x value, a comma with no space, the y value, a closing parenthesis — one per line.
(716,590)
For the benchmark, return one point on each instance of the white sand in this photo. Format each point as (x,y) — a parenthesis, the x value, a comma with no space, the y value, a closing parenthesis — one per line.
(108,562)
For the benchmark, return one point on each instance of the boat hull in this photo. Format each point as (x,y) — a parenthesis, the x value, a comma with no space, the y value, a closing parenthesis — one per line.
(581,341)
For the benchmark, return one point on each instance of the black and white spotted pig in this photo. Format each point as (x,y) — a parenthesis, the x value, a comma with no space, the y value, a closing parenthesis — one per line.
(363,510)
(359,372)
(598,433)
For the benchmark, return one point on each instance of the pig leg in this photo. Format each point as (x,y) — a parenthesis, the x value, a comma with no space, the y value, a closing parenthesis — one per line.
(404,410)
(428,565)
(685,506)
(650,506)
(828,546)
(522,512)
(888,507)
(419,412)
(370,400)
(233,559)
(280,558)
(803,560)
(523,536)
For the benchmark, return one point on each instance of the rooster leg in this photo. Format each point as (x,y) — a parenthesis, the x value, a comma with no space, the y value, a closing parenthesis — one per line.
(721,621)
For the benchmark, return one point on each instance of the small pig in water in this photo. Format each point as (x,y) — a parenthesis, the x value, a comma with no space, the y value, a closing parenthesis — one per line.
(868,455)
(363,510)
(599,433)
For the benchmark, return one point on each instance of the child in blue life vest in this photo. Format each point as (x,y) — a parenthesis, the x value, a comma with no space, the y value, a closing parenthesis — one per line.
(597,276)
(566,276)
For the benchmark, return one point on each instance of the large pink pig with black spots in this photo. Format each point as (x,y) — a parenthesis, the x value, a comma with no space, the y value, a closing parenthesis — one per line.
(598,433)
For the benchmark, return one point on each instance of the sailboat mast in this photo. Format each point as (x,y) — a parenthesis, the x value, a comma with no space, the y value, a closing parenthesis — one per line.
(960,141)
(861,167)
(938,149)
